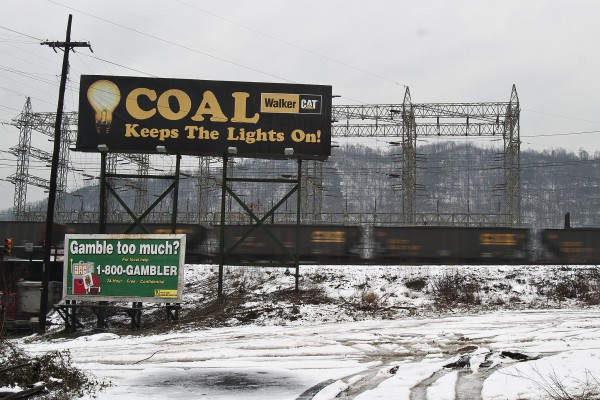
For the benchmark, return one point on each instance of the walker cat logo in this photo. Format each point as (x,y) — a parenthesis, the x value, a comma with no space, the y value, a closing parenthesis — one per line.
(290,103)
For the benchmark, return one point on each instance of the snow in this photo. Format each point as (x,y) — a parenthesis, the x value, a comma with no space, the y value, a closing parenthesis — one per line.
(327,351)
(443,388)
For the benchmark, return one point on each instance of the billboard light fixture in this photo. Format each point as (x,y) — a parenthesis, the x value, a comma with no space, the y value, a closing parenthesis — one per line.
(161,149)
(288,151)
(232,150)
(102,148)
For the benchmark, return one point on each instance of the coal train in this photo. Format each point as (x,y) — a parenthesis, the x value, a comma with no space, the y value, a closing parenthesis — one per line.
(333,244)
(326,244)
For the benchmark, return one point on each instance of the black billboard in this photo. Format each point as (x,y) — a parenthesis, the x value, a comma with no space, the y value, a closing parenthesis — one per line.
(195,117)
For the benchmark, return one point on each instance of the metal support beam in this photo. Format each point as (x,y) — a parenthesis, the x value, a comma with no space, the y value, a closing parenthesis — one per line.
(258,222)
(409,161)
(512,160)
(22,152)
(408,121)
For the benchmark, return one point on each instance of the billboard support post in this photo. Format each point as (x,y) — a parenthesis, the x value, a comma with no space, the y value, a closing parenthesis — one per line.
(222,231)
(256,223)
(175,193)
(298,212)
(102,214)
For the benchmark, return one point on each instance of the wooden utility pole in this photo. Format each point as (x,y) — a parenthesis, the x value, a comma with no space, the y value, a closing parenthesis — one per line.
(67,45)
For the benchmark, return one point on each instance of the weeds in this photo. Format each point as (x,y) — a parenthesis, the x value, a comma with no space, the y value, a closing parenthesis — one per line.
(555,387)
(453,288)
(417,284)
(581,285)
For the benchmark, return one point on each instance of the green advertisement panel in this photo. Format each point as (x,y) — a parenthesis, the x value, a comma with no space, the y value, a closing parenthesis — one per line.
(144,268)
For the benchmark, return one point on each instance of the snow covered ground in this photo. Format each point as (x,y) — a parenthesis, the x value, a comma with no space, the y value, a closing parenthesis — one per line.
(362,333)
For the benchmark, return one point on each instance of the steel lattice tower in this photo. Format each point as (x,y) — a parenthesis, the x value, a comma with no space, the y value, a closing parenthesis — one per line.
(312,189)
(408,120)
(512,160)
(403,122)
(27,122)
(203,184)
(409,161)
(22,151)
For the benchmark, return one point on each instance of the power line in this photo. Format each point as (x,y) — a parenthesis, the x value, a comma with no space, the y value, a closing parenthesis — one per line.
(560,116)
(561,134)
(119,65)
(21,33)
(277,39)
(174,43)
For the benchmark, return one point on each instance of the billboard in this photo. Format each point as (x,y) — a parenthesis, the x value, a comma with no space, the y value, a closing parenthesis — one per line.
(145,268)
(195,117)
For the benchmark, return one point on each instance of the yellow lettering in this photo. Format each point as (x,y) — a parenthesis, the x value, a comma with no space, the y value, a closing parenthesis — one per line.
(190,130)
(261,136)
(298,135)
(168,133)
(202,133)
(133,107)
(311,138)
(210,106)
(250,137)
(130,130)
(231,134)
(239,109)
(164,108)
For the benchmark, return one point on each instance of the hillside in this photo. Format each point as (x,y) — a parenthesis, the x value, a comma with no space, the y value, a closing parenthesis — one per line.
(451,178)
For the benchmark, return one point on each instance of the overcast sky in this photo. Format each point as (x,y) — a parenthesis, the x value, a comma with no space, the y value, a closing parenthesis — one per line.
(443,50)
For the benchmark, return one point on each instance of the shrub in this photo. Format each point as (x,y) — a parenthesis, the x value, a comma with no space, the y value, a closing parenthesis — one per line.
(453,288)
(54,369)
(582,285)
(553,386)
(369,298)
(416,284)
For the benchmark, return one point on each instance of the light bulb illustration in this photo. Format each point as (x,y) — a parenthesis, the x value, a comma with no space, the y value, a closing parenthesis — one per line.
(104,96)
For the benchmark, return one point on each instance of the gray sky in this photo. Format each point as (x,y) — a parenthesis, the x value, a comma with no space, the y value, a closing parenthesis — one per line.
(445,51)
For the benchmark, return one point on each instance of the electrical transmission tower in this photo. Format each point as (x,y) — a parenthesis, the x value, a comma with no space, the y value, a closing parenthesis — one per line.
(403,123)
(312,193)
(27,122)
(407,121)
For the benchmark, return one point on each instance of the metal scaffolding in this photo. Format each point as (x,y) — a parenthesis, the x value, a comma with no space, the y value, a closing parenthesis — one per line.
(43,122)
(27,122)
(408,120)
(312,193)
(404,122)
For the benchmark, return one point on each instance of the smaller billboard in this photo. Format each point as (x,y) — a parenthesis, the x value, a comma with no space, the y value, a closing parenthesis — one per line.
(128,268)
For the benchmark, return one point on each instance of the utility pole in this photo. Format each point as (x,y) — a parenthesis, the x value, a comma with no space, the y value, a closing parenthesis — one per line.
(67,45)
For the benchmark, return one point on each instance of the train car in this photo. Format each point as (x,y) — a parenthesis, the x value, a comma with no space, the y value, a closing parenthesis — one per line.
(14,270)
(451,245)
(32,234)
(319,243)
(196,235)
(571,246)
